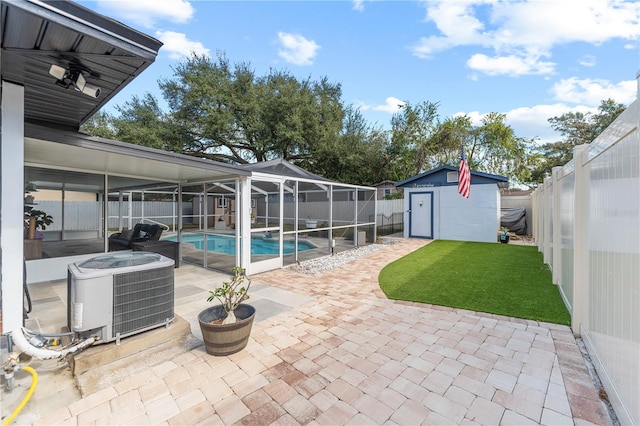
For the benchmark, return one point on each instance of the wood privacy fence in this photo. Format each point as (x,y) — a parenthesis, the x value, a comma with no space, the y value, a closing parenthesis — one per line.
(587,225)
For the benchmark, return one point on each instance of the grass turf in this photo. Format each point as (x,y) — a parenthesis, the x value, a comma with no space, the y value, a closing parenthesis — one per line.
(502,279)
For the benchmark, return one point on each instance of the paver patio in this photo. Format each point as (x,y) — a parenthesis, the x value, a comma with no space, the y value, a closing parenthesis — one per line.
(350,356)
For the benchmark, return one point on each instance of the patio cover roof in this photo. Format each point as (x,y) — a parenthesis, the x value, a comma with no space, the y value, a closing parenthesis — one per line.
(37,34)
(67,150)
(282,167)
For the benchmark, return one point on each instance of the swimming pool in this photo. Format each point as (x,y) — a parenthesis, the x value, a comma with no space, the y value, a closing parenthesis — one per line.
(227,245)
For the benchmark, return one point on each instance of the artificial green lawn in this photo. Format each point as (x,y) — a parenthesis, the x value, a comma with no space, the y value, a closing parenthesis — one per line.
(502,279)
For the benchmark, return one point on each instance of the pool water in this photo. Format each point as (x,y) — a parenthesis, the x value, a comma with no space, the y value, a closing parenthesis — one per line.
(259,244)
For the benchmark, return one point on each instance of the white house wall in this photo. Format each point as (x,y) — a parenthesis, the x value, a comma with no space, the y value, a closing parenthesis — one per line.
(12,193)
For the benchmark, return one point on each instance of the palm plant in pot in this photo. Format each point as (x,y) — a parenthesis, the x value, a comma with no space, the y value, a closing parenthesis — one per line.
(35,220)
(226,327)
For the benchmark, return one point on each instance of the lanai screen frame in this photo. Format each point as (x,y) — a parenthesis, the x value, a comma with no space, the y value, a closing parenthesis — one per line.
(291,227)
(286,223)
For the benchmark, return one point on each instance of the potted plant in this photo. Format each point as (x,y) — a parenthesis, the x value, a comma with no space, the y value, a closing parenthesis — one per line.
(504,235)
(35,220)
(310,223)
(226,327)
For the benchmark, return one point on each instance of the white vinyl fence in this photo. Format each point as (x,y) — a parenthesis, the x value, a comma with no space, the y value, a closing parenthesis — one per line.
(86,215)
(83,219)
(587,224)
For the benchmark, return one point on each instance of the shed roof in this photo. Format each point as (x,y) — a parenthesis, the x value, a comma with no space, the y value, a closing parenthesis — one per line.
(438,176)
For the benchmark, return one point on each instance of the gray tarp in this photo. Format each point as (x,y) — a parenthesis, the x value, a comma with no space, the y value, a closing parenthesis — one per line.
(514,219)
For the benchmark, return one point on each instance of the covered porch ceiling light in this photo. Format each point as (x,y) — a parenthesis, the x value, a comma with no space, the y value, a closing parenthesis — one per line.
(74,77)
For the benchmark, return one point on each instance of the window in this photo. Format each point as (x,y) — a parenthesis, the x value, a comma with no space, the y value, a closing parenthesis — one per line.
(452,176)
(387,191)
(222,202)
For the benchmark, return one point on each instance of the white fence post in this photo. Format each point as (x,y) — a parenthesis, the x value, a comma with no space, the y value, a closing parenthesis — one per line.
(546,222)
(556,270)
(580,306)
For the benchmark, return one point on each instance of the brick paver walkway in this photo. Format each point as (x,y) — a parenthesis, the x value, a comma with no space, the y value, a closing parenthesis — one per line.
(355,357)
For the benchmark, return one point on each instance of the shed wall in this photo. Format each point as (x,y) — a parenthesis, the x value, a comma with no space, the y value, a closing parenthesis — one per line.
(474,219)
(458,218)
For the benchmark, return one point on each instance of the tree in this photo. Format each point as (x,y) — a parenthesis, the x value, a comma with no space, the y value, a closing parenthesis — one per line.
(356,156)
(450,136)
(576,128)
(413,143)
(421,141)
(142,122)
(494,148)
(100,124)
(233,116)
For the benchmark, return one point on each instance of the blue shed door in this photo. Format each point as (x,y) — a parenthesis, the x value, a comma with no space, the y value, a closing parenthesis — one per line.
(421,215)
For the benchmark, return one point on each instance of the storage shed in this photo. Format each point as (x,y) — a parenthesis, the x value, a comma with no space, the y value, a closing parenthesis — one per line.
(434,209)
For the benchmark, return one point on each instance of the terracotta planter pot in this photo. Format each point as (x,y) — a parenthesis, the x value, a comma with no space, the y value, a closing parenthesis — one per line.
(226,339)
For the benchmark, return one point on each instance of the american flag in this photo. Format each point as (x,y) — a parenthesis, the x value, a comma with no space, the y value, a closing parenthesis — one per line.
(464,176)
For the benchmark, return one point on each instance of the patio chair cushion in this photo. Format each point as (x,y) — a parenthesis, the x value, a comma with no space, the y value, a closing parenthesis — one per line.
(140,232)
(126,234)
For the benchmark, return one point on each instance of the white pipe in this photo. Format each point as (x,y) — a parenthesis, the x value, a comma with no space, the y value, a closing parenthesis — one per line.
(21,342)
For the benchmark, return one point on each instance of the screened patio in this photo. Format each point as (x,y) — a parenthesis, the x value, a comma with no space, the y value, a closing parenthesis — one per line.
(261,216)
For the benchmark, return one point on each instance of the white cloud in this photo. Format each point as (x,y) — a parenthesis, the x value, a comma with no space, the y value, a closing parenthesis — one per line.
(178,46)
(391,105)
(525,31)
(544,24)
(509,65)
(592,91)
(474,116)
(148,12)
(296,49)
(457,24)
(358,5)
(588,61)
(532,122)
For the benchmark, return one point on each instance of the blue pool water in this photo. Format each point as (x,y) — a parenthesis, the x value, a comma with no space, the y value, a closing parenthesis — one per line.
(227,245)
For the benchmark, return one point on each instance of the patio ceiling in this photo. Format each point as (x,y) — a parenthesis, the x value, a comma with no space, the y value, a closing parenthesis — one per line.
(35,35)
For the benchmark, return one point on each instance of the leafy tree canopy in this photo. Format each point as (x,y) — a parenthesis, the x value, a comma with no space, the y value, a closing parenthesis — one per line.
(229,114)
(421,141)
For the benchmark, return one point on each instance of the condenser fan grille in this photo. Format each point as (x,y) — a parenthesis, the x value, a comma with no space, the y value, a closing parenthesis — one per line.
(142,299)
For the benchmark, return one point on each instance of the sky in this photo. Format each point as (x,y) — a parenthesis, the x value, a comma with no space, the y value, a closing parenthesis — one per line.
(528,59)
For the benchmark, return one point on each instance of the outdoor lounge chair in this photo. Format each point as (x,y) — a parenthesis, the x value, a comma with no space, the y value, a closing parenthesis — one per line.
(141,232)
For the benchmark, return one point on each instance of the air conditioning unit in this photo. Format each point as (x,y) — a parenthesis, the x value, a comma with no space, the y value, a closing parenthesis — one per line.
(115,295)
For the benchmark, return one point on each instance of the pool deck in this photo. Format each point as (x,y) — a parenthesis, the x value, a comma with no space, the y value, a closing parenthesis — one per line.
(331,349)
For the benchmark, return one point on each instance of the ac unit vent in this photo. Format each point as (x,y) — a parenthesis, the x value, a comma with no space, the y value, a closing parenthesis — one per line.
(142,299)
